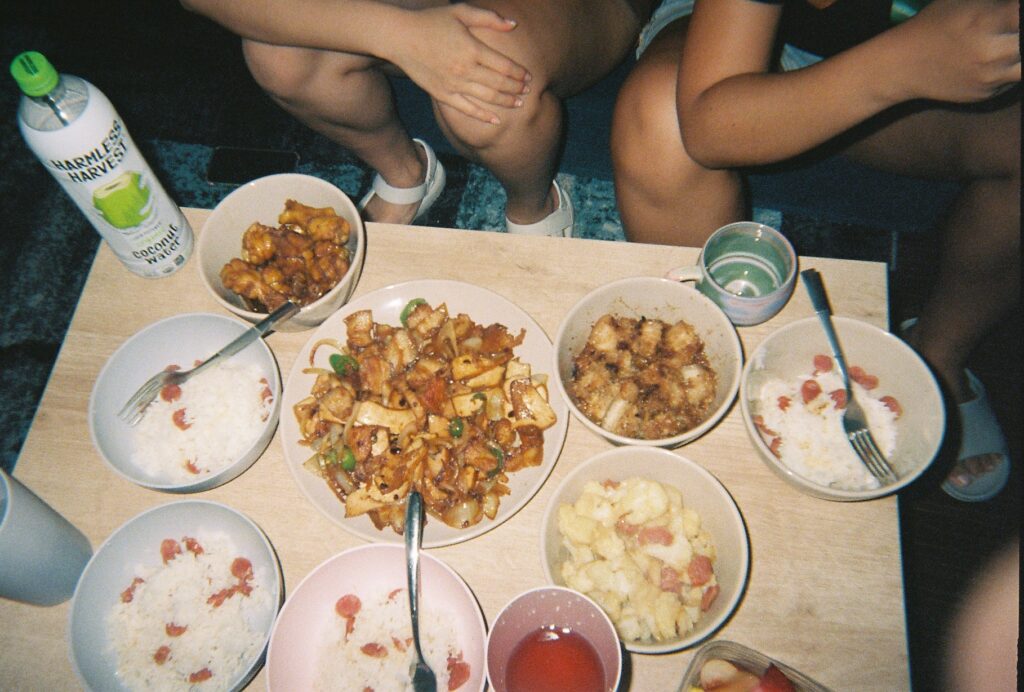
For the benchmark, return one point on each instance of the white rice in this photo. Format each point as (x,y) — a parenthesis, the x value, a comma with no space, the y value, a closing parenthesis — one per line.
(813,443)
(343,666)
(224,407)
(223,639)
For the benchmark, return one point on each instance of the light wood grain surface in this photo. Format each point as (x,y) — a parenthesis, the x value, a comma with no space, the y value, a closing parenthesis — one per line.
(825,592)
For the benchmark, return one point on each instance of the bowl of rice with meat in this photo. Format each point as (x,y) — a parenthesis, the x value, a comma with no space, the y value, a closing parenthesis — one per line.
(346,626)
(181,597)
(647,361)
(198,435)
(792,400)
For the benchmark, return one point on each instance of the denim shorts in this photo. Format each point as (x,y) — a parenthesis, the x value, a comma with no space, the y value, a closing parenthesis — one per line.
(668,11)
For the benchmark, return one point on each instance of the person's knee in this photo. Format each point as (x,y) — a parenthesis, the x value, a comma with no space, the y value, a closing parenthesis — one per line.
(646,145)
(290,74)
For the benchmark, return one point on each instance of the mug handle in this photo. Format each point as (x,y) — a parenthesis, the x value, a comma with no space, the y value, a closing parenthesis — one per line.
(691,273)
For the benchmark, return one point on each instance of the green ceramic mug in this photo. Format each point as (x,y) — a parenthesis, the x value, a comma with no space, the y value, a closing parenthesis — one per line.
(748,269)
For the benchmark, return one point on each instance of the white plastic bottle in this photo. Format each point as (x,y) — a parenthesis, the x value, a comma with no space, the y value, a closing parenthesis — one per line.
(81,140)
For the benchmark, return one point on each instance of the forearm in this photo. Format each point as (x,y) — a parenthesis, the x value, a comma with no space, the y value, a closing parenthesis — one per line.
(366,27)
(759,118)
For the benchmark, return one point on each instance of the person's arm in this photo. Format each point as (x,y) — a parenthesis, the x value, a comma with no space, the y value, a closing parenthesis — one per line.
(733,111)
(434,47)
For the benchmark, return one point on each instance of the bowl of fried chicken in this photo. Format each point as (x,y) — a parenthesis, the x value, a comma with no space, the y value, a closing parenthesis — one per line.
(279,238)
(647,361)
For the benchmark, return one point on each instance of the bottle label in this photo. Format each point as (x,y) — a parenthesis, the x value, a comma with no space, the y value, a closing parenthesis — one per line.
(99,166)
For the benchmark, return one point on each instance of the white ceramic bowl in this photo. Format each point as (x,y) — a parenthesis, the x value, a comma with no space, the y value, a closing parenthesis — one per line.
(788,354)
(369,571)
(700,490)
(556,608)
(669,301)
(135,546)
(263,200)
(180,340)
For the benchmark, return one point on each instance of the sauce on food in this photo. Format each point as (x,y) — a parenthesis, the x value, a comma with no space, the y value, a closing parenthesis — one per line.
(554,659)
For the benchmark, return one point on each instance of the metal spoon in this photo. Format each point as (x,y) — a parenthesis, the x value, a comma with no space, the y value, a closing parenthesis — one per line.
(423,678)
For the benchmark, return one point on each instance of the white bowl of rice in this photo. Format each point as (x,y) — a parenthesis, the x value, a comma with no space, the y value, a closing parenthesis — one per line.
(184,591)
(206,432)
(792,402)
(346,626)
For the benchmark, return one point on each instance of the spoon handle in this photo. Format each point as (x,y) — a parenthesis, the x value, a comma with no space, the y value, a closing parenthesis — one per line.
(819,301)
(413,541)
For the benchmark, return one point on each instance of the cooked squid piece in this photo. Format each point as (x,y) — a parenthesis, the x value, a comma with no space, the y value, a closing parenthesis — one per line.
(643,378)
(440,404)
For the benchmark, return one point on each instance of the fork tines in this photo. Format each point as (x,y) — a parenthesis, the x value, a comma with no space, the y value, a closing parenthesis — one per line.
(872,456)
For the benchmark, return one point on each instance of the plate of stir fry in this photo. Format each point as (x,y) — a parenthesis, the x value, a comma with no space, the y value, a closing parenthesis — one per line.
(435,386)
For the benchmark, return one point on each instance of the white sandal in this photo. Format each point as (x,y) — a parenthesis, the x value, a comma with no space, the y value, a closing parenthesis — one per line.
(426,193)
(557,224)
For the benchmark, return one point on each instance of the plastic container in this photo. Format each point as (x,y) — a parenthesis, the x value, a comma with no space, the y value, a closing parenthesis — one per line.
(743,657)
(76,134)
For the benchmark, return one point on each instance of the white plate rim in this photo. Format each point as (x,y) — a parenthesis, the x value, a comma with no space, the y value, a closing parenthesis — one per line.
(484,306)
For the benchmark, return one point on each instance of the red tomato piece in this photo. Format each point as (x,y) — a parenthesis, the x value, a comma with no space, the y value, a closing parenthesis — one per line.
(809,390)
(191,468)
(200,675)
(348,606)
(241,568)
(170,392)
(179,419)
(784,402)
(128,594)
(458,672)
(839,397)
(700,570)
(172,368)
(893,405)
(374,650)
(161,655)
(398,644)
(858,375)
(168,549)
(624,527)
(193,546)
(394,594)
(709,597)
(610,484)
(217,599)
(822,363)
(776,443)
(173,630)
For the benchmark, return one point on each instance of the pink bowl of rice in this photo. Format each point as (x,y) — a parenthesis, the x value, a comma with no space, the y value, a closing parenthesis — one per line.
(792,401)
(346,626)
(202,434)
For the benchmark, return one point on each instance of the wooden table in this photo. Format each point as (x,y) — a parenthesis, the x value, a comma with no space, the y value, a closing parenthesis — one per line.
(825,593)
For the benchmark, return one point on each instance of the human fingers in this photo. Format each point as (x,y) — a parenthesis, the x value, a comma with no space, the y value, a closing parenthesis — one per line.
(482,18)
(477,18)
(469,108)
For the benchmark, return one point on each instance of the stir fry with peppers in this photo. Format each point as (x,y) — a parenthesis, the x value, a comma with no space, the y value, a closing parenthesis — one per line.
(440,404)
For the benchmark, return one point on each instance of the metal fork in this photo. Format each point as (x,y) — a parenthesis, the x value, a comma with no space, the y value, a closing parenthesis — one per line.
(135,408)
(854,421)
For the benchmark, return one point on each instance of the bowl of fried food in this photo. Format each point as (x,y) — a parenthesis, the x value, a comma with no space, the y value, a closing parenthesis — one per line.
(647,361)
(655,539)
(283,237)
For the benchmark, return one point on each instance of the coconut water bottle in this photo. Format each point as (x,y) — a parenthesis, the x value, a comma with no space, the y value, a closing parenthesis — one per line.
(81,140)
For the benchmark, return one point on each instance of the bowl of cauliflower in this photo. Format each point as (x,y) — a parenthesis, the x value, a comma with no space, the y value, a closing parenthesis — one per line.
(652,537)
(647,361)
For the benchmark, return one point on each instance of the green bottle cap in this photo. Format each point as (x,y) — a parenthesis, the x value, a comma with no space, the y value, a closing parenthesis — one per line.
(34,73)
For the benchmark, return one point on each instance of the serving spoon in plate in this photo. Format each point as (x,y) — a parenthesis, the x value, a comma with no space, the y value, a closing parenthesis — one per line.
(423,677)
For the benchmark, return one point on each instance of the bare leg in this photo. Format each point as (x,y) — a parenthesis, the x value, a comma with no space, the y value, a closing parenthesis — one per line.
(663,195)
(567,46)
(978,278)
(346,98)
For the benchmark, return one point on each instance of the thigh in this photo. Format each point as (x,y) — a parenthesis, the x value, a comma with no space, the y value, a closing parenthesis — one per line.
(950,143)
(566,44)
